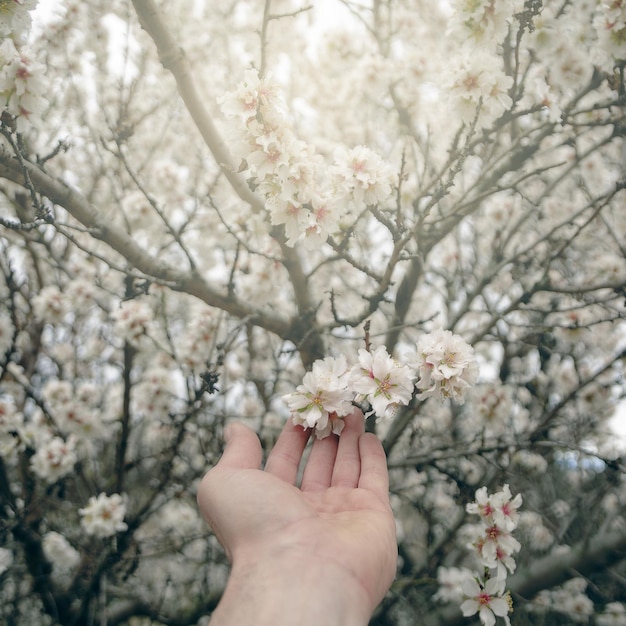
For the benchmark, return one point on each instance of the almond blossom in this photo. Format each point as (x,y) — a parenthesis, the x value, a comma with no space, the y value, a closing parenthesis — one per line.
(494,546)
(381,381)
(22,85)
(323,397)
(445,365)
(15,17)
(302,192)
(499,508)
(54,459)
(487,600)
(471,147)
(104,515)
(59,551)
(365,173)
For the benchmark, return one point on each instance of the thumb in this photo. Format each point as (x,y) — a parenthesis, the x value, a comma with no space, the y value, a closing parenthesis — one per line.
(243,448)
(242,452)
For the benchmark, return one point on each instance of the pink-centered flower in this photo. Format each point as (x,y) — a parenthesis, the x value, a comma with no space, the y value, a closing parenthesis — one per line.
(505,514)
(488,601)
(381,380)
(446,365)
(495,548)
(323,398)
(499,508)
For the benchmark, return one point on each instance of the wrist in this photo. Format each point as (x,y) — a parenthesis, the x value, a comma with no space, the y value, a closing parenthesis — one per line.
(277,590)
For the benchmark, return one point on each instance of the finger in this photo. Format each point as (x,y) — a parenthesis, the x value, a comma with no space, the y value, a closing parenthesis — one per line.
(243,448)
(347,467)
(242,452)
(284,459)
(374,474)
(319,467)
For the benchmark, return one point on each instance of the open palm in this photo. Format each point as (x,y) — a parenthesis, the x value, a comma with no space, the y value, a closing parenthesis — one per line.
(339,514)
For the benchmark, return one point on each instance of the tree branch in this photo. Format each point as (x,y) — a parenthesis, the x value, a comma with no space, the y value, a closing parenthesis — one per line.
(173,58)
(185,281)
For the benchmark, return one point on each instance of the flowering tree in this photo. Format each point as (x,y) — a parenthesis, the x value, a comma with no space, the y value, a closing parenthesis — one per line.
(260,211)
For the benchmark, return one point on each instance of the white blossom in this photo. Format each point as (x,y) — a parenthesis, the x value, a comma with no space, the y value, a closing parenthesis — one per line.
(22,85)
(451,580)
(302,193)
(445,365)
(539,538)
(494,545)
(197,341)
(614,614)
(577,606)
(11,421)
(382,381)
(50,305)
(477,83)
(104,515)
(154,395)
(54,459)
(6,560)
(487,600)
(531,462)
(81,294)
(610,25)
(59,551)
(484,21)
(323,398)
(15,17)
(133,319)
(367,177)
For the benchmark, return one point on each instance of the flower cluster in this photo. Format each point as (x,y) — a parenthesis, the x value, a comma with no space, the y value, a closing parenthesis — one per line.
(495,546)
(15,17)
(614,614)
(22,85)
(323,398)
(133,320)
(610,23)
(303,194)
(73,408)
(445,368)
(446,365)
(54,459)
(484,20)
(572,601)
(59,551)
(104,516)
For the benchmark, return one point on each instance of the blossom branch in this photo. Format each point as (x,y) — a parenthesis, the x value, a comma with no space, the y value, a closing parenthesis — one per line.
(186,281)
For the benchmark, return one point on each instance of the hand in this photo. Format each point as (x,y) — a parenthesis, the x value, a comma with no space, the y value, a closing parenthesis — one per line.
(328,546)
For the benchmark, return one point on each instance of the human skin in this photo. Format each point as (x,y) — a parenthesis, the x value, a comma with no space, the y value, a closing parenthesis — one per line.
(323,552)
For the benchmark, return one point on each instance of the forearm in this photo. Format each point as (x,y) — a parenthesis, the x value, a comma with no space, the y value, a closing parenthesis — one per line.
(275,593)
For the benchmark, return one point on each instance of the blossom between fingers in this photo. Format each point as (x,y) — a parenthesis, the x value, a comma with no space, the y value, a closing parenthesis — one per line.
(446,367)
(323,397)
(381,380)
